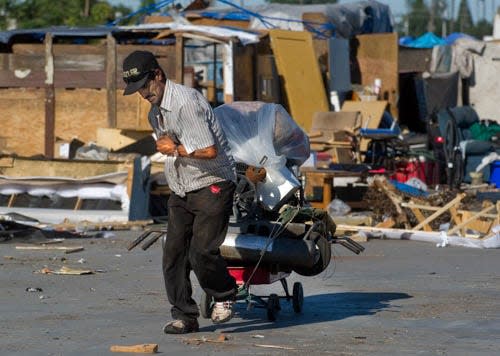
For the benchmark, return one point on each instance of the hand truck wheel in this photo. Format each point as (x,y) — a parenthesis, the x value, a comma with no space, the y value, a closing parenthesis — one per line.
(273,306)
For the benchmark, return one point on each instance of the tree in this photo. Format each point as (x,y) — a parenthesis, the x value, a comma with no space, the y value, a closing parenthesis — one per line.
(418,18)
(437,21)
(43,13)
(482,28)
(5,9)
(464,21)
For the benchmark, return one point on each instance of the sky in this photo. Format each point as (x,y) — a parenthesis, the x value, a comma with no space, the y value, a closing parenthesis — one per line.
(398,7)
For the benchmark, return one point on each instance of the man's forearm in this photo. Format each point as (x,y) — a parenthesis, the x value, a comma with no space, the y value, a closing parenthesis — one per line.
(203,153)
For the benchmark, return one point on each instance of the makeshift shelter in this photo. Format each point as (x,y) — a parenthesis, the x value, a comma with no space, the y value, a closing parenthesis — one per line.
(54,88)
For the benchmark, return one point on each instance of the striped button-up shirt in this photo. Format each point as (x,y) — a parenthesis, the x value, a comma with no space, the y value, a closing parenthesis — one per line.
(185,116)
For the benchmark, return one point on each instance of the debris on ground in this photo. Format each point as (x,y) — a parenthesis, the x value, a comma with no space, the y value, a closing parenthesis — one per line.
(65,270)
(141,348)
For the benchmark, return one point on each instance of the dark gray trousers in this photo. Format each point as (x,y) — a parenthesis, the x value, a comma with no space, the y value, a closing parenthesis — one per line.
(197,226)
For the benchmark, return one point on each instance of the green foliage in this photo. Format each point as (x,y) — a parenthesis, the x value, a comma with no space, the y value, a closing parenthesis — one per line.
(44,13)
(101,13)
(482,28)
(5,7)
(418,18)
(145,3)
(464,21)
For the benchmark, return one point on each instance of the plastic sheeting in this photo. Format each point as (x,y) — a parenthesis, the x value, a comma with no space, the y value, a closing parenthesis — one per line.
(427,40)
(264,135)
(351,19)
(110,186)
(85,191)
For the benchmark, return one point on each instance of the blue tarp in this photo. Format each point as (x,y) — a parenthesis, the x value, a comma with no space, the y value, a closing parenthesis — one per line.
(427,40)
(405,40)
(451,38)
(232,15)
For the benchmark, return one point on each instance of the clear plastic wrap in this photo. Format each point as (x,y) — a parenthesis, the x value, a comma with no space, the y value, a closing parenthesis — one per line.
(264,135)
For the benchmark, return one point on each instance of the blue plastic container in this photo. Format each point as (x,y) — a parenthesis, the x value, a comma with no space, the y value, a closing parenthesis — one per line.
(495,173)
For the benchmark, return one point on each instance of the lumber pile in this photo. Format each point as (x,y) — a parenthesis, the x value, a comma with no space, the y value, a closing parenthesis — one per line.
(453,213)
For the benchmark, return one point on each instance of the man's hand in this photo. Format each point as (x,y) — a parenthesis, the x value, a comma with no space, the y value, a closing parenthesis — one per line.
(166,145)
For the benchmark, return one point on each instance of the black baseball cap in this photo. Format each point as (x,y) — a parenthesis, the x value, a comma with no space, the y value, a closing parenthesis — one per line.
(136,69)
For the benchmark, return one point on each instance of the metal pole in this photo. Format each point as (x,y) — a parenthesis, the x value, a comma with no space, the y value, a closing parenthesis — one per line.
(452,14)
(50,103)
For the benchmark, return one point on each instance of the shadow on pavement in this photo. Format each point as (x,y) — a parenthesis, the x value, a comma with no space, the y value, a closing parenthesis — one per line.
(317,309)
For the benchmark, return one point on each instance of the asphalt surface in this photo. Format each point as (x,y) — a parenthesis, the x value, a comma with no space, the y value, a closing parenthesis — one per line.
(398,298)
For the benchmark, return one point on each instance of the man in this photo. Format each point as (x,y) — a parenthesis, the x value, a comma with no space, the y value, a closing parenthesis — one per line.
(200,173)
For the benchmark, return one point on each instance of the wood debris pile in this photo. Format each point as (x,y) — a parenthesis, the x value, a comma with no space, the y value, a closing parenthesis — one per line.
(466,215)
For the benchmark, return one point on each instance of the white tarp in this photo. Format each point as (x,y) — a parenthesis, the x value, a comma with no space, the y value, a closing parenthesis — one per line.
(244,36)
(484,93)
(110,186)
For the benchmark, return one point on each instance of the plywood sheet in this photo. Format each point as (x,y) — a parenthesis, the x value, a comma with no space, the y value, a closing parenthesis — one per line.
(299,70)
(371,111)
(25,168)
(377,57)
(115,139)
(371,115)
(79,113)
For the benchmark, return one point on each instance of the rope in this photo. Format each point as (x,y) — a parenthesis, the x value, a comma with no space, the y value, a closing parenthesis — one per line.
(324,25)
(320,32)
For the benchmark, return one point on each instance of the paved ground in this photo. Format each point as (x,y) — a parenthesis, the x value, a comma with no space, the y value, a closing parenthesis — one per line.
(399,297)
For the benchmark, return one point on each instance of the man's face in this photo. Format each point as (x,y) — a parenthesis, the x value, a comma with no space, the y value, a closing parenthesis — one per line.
(153,89)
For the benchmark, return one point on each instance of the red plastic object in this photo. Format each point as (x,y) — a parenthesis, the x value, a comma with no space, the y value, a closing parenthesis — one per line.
(323,156)
(242,274)
(408,170)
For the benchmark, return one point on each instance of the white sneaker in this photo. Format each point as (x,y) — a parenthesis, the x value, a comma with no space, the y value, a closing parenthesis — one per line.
(222,311)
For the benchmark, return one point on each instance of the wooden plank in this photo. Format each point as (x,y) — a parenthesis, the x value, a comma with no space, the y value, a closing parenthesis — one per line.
(6,162)
(412,60)
(66,249)
(483,226)
(436,208)
(111,79)
(218,22)
(371,115)
(387,223)
(470,219)
(66,271)
(24,167)
(12,200)
(396,200)
(62,79)
(431,218)
(456,217)
(88,225)
(420,217)
(142,348)
(59,49)
(297,65)
(81,62)
(377,57)
(114,139)
(79,113)
(50,103)
(4,61)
